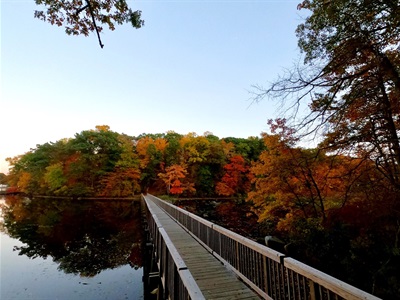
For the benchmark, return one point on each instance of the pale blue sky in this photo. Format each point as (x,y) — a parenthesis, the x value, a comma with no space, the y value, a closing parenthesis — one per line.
(189,69)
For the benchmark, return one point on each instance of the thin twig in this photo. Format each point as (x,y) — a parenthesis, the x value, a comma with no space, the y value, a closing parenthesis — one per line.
(79,10)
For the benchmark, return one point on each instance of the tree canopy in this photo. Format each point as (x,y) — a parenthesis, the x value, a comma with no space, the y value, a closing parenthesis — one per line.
(104,163)
(81,17)
(350,79)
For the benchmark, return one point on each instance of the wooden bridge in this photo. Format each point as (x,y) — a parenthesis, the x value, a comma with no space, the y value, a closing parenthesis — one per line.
(197,259)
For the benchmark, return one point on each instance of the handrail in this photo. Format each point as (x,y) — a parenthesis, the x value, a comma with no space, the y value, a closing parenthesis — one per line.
(176,278)
(270,273)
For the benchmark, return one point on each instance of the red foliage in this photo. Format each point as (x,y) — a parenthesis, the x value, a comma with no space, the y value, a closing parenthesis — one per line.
(12,190)
(236,178)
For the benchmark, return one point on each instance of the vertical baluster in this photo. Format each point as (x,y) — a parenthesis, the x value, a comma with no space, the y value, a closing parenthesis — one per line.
(283,280)
(236,261)
(273,280)
(233,253)
(312,290)
(245,260)
(229,245)
(219,240)
(256,266)
(259,269)
(265,275)
(253,266)
(288,284)
(294,284)
(249,268)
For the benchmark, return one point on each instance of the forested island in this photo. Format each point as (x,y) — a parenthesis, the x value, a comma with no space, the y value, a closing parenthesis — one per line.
(338,213)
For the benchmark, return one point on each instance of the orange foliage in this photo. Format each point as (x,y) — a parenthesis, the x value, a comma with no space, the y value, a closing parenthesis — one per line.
(172,177)
(235,179)
(227,148)
(141,148)
(123,182)
(161,144)
(300,181)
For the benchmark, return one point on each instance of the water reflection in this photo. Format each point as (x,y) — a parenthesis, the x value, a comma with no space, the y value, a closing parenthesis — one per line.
(82,238)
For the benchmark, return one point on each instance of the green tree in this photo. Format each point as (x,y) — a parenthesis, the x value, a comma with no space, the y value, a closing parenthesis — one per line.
(28,170)
(55,179)
(173,151)
(123,180)
(249,148)
(196,154)
(96,153)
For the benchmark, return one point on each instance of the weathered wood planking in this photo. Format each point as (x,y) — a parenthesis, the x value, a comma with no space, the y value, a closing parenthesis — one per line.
(212,277)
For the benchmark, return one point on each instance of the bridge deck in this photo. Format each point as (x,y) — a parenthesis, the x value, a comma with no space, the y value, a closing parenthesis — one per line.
(213,278)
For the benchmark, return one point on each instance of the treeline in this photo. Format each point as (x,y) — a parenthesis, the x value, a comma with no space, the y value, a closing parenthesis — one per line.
(338,213)
(105,163)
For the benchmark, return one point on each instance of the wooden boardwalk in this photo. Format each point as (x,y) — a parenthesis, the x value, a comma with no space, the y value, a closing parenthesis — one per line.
(214,279)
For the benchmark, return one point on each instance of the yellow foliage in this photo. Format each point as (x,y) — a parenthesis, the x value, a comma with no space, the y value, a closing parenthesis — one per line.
(23,182)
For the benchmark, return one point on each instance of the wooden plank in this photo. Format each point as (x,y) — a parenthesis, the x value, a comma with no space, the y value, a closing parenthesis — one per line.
(239,294)
(209,270)
(209,276)
(208,288)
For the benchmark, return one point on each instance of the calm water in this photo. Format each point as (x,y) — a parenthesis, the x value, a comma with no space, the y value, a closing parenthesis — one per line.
(58,249)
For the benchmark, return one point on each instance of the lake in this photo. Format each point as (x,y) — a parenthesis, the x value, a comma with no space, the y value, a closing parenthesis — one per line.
(63,249)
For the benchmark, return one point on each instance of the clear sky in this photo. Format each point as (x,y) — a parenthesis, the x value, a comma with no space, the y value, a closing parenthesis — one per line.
(189,69)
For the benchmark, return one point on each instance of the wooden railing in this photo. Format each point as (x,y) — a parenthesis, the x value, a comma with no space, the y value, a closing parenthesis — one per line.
(176,278)
(270,273)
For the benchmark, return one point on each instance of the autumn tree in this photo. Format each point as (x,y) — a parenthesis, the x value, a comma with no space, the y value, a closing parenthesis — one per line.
(350,79)
(151,155)
(28,170)
(293,181)
(204,158)
(121,182)
(81,17)
(173,177)
(236,179)
(2,178)
(326,207)
(124,179)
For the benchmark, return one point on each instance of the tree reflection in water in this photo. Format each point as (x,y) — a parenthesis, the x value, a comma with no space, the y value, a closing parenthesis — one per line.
(83,237)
